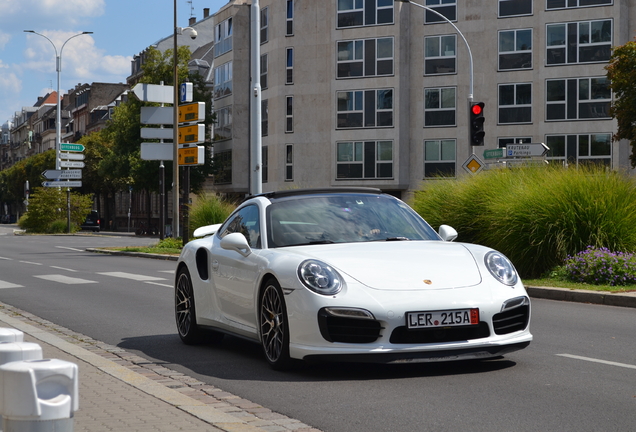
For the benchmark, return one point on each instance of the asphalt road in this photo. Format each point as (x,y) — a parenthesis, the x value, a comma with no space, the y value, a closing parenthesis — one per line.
(579,374)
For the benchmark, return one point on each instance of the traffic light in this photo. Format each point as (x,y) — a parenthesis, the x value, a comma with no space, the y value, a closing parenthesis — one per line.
(477,124)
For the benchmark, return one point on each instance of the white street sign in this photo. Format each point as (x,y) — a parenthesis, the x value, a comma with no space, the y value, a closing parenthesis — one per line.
(72,156)
(62,174)
(154,93)
(157,115)
(157,151)
(71,164)
(157,133)
(62,184)
(526,150)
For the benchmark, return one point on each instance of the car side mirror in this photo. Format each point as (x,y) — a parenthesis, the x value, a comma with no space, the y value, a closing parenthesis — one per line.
(236,242)
(447,233)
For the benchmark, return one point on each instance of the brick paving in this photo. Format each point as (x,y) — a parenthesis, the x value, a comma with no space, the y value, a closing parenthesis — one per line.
(121,391)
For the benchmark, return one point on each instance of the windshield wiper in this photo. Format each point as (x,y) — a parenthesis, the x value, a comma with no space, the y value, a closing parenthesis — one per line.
(397,239)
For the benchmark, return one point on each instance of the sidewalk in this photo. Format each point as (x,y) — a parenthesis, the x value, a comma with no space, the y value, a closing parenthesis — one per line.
(120,391)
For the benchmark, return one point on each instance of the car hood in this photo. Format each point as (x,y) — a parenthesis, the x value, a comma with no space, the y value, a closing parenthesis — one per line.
(401,265)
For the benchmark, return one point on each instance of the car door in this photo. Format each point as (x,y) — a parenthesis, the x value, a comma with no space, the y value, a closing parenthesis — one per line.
(235,276)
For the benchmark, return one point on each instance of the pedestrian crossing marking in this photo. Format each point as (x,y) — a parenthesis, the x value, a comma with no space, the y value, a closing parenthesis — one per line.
(4,284)
(136,277)
(64,279)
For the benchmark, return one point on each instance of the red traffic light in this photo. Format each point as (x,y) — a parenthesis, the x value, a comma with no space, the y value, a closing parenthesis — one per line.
(477,109)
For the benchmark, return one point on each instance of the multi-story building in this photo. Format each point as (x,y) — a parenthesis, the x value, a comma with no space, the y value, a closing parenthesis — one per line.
(376,92)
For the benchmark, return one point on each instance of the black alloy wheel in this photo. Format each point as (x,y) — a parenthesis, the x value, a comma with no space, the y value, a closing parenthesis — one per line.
(274,326)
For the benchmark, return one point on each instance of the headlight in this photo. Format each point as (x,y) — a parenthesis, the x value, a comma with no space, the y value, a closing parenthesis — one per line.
(501,268)
(320,277)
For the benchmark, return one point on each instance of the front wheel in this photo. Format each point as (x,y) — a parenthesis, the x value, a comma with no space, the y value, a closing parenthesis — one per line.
(274,326)
(189,331)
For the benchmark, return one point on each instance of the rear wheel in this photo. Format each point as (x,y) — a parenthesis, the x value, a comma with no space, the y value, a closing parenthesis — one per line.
(274,326)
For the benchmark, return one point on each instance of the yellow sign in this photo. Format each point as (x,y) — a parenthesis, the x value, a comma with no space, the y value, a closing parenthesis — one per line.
(192,134)
(189,156)
(190,113)
(473,164)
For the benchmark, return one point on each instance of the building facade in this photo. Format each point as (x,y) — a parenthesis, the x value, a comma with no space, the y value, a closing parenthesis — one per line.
(376,92)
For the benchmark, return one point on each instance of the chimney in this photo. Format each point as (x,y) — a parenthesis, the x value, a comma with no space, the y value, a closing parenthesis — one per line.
(192,20)
(206,12)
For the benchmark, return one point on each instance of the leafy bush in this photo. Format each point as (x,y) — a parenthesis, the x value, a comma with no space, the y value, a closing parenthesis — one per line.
(600,266)
(59,226)
(537,217)
(170,243)
(209,210)
(48,205)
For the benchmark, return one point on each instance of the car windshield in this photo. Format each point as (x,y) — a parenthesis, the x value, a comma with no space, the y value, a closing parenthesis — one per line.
(343,218)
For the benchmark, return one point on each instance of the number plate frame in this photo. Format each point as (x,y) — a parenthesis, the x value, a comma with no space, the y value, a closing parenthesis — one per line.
(444,318)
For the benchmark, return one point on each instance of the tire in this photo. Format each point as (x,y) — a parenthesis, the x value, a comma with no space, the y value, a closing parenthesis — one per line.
(273,326)
(184,309)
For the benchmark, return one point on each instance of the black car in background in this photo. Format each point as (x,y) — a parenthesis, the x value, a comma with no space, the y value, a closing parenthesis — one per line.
(92,221)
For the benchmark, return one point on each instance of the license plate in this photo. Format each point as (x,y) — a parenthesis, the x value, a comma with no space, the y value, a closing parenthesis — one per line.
(447,318)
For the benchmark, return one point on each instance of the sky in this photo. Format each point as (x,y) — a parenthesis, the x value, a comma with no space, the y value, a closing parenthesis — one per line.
(121,29)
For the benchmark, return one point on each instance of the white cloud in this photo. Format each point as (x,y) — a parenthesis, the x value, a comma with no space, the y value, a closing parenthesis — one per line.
(4,39)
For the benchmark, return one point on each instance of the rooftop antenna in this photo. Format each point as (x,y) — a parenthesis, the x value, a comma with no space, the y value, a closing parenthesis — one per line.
(191,8)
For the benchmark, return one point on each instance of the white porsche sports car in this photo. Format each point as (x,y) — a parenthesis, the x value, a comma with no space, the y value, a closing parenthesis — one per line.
(348,275)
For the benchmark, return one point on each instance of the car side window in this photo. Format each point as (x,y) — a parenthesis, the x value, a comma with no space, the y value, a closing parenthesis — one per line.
(247,222)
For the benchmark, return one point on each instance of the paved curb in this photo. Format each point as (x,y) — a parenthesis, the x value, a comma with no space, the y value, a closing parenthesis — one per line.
(584,296)
(194,407)
(135,254)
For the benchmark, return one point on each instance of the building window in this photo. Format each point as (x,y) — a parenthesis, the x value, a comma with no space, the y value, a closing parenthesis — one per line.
(264,118)
(289,162)
(223,126)
(356,13)
(439,107)
(223,167)
(563,4)
(581,149)
(508,8)
(515,49)
(264,71)
(439,158)
(289,31)
(365,160)
(440,55)
(578,99)
(264,25)
(503,142)
(223,37)
(515,103)
(448,8)
(289,116)
(579,42)
(365,57)
(365,108)
(289,66)
(264,164)
(223,80)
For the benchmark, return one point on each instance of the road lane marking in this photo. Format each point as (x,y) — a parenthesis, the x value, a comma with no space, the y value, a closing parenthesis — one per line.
(64,279)
(70,248)
(136,277)
(611,363)
(4,284)
(5,258)
(157,283)
(166,271)
(64,268)
(29,262)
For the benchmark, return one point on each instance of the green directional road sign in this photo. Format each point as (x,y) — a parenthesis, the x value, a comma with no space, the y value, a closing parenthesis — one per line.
(494,154)
(71,147)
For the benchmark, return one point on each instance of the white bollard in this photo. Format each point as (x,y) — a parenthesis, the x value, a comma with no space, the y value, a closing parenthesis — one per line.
(38,395)
(10,335)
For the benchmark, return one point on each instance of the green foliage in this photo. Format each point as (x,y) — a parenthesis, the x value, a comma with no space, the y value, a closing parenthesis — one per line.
(621,72)
(48,206)
(170,243)
(13,180)
(600,266)
(209,210)
(537,217)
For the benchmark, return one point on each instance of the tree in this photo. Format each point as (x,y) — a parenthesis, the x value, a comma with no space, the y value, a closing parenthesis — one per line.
(48,209)
(621,72)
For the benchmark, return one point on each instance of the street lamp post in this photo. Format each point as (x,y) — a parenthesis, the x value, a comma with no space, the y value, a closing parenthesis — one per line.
(58,68)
